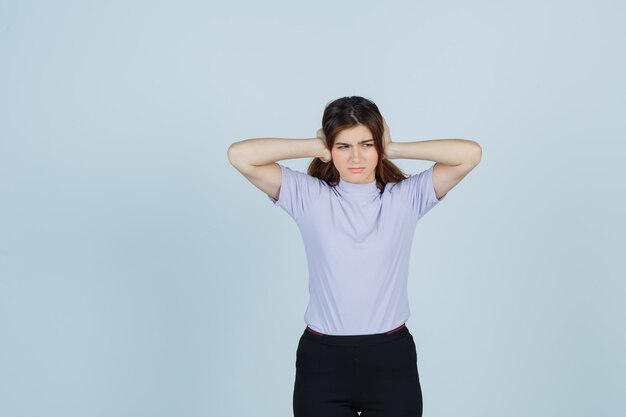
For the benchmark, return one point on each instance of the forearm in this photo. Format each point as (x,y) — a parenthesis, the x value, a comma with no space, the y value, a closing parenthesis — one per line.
(444,151)
(264,151)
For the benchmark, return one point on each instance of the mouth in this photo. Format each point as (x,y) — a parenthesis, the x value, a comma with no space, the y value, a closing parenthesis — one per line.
(356,169)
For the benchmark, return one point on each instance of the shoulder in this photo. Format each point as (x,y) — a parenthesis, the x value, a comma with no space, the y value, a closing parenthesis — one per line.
(302,179)
(299,191)
(413,180)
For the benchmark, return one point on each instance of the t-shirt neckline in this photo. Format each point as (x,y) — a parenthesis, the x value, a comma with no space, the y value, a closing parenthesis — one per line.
(354,188)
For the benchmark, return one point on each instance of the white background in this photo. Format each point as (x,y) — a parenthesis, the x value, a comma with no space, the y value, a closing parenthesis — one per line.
(142,275)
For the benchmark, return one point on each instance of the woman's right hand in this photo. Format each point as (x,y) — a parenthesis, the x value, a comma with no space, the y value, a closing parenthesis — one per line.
(325,155)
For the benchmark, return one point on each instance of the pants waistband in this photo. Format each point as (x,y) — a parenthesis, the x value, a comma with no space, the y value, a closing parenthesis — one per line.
(356,340)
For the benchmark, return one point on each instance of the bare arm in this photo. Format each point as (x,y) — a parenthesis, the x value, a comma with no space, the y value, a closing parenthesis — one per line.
(454,158)
(444,151)
(256,158)
(264,151)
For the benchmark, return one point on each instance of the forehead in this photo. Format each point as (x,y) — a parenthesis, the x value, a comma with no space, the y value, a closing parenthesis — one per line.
(354,134)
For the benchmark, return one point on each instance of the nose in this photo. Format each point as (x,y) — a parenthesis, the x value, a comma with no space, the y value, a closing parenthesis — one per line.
(356,153)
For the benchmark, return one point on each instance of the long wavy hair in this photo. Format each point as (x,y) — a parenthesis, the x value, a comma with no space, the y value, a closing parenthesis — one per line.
(344,113)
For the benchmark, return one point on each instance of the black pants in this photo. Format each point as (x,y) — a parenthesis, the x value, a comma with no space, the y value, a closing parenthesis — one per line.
(376,374)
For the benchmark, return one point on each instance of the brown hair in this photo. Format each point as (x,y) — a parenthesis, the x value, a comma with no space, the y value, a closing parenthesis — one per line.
(344,113)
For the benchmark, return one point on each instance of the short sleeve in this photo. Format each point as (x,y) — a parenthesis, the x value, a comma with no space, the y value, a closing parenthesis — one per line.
(419,192)
(298,191)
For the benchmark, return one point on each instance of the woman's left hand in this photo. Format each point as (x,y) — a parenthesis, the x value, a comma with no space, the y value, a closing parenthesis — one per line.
(386,137)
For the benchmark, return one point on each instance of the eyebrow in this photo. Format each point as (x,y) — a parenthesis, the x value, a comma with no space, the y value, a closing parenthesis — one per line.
(363,141)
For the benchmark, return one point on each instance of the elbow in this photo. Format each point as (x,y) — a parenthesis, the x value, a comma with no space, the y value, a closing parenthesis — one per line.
(477,153)
(232,154)
(237,157)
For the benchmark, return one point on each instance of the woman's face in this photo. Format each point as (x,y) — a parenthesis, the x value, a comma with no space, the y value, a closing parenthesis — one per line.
(354,148)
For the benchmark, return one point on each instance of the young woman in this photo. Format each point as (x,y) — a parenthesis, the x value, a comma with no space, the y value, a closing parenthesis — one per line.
(357,213)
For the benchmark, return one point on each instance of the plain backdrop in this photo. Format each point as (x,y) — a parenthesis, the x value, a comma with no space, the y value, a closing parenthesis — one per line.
(142,275)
